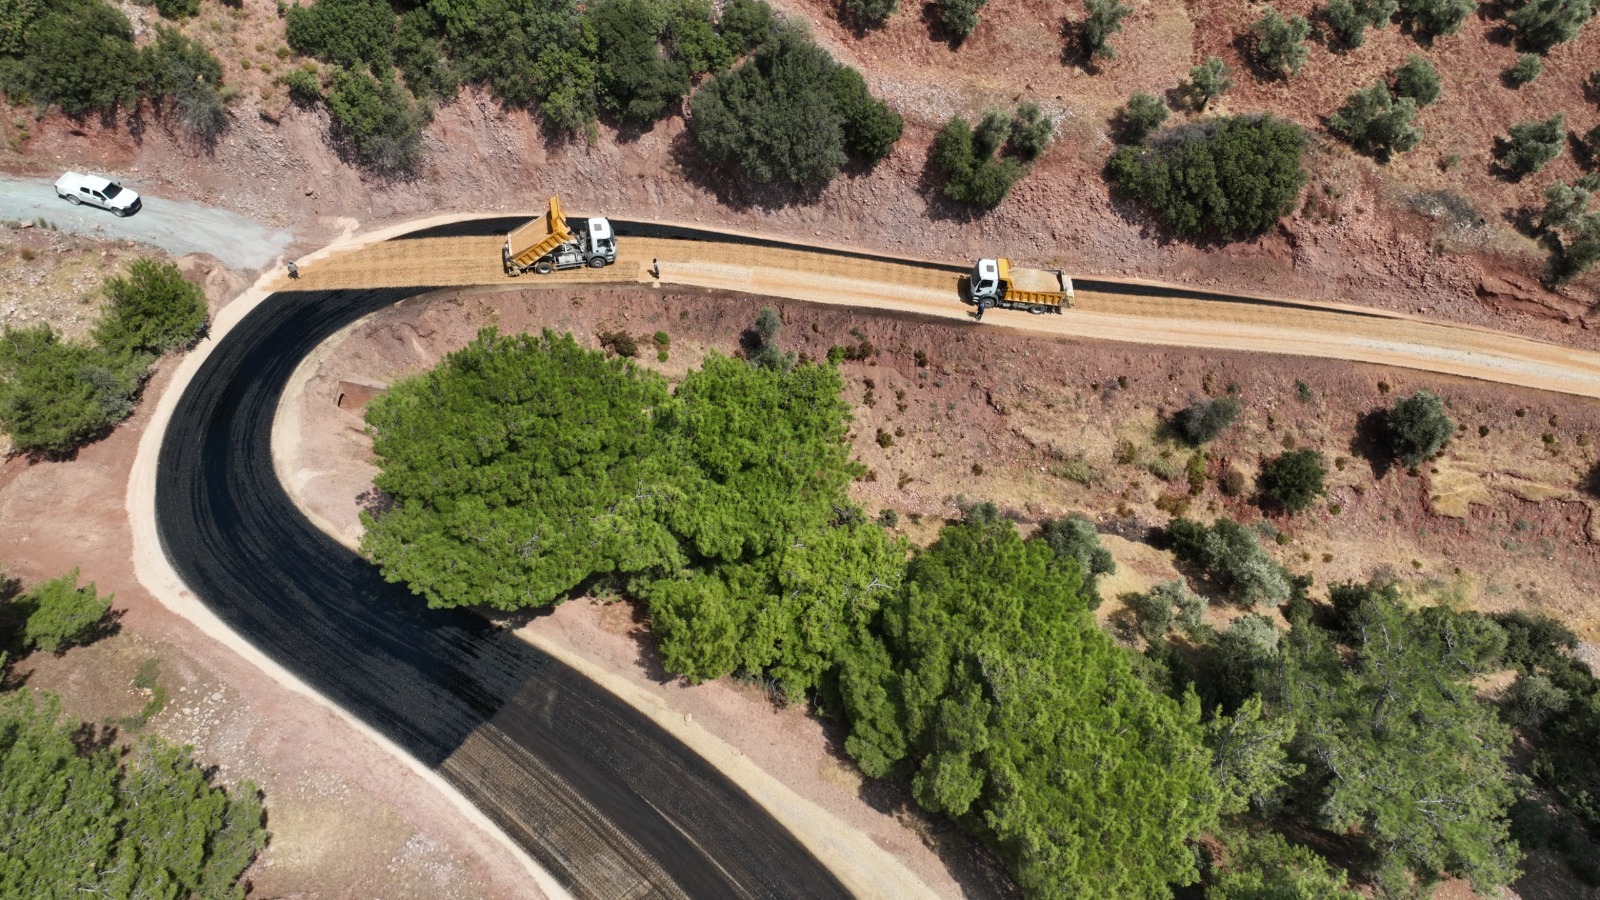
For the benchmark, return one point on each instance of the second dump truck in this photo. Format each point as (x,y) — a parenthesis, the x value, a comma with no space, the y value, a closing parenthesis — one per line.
(549,242)
(995,282)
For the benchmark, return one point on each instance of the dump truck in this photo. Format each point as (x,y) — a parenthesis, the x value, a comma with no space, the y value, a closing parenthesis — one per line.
(994,282)
(550,242)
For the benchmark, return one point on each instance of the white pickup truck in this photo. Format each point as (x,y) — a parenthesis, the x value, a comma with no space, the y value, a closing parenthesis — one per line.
(96,191)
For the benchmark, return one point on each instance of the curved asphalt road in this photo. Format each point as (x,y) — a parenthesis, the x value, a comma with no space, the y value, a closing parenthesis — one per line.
(609,803)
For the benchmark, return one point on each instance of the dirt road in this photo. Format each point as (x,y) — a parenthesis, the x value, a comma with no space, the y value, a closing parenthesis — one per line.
(1105,310)
(175,226)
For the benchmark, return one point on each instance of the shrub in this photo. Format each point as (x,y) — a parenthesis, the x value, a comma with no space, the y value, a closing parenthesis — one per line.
(379,120)
(1208,81)
(1032,130)
(1535,640)
(1563,205)
(304,86)
(746,25)
(420,56)
(1533,144)
(1542,24)
(79,56)
(1348,24)
(1234,177)
(1232,483)
(777,117)
(1437,17)
(61,614)
(1166,604)
(870,12)
(1417,427)
(177,9)
(351,33)
(186,73)
(960,16)
(1202,421)
(1230,555)
(870,126)
(619,342)
(691,36)
(1377,124)
(965,154)
(1105,19)
(1279,43)
(637,81)
(55,395)
(1527,67)
(1294,480)
(1143,114)
(1532,699)
(153,310)
(1417,79)
(1076,538)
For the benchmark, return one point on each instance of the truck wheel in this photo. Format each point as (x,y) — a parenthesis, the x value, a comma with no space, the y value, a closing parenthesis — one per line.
(1036,310)
(597,262)
(73,199)
(543,267)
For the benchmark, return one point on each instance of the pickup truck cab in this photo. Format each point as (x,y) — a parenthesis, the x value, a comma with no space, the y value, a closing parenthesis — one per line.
(76,188)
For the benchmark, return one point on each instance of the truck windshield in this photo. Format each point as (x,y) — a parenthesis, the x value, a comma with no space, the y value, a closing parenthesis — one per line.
(112,191)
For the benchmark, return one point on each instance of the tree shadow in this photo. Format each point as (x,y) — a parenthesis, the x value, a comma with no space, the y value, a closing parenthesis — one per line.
(979,871)
(374,502)
(89,738)
(1075,47)
(1244,43)
(1371,442)
(938,31)
(732,190)
(858,25)
(930,187)
(109,625)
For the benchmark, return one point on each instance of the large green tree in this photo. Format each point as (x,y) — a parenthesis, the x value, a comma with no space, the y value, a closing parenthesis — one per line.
(1401,754)
(1015,714)
(519,467)
(77,823)
(152,310)
(1235,177)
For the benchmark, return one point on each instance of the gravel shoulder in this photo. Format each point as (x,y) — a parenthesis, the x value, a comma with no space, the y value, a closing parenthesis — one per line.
(176,226)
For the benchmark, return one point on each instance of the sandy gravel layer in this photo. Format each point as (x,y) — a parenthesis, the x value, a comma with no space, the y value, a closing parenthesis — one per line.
(1279,326)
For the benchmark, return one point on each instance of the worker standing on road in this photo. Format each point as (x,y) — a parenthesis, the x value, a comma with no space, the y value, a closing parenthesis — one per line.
(655,269)
(294,270)
(978,317)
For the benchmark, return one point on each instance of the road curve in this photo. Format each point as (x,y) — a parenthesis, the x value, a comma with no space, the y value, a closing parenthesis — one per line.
(608,802)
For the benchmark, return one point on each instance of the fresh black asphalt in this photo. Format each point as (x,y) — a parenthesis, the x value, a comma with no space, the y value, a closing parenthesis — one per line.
(429,679)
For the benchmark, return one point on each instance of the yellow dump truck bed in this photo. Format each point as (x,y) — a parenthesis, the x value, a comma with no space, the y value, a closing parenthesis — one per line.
(1046,287)
(538,236)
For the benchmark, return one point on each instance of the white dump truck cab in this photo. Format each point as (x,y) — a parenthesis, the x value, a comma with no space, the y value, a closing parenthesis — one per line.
(984,283)
(600,242)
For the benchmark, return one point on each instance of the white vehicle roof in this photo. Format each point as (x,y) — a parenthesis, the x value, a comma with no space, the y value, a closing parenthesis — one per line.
(74,180)
(600,229)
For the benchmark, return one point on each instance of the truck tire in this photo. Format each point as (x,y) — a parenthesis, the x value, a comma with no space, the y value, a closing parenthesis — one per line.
(73,199)
(543,267)
(1036,310)
(597,262)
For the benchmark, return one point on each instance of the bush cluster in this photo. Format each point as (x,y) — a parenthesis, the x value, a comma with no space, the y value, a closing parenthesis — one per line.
(1417,427)
(1203,420)
(56,395)
(86,819)
(1294,480)
(1280,44)
(791,115)
(1377,123)
(982,162)
(1573,229)
(80,56)
(1532,145)
(1233,177)
(1229,555)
